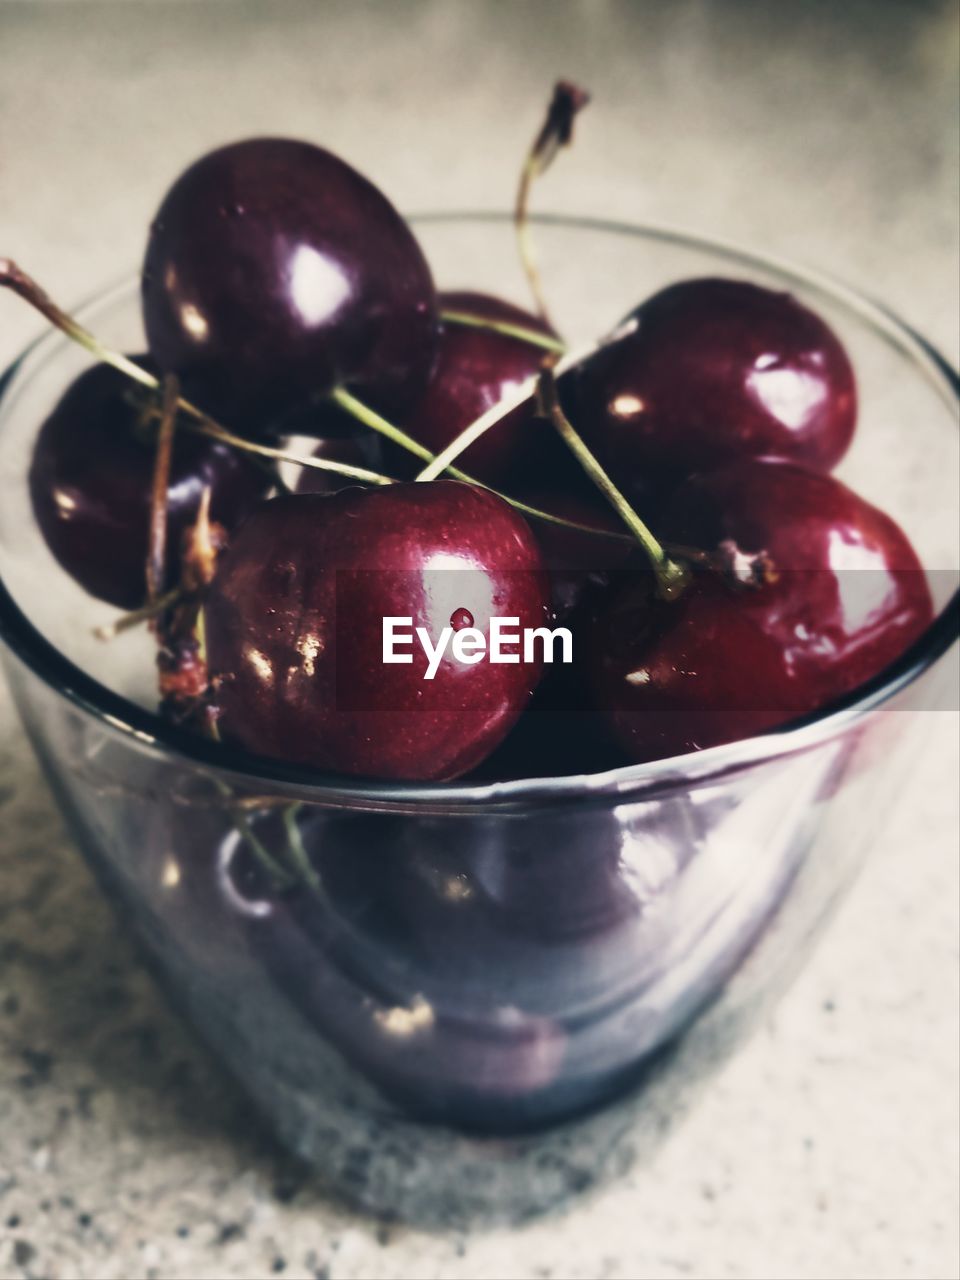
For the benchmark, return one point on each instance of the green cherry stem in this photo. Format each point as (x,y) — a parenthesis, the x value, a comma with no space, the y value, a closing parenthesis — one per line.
(440,463)
(470,434)
(149,611)
(24,286)
(207,427)
(671,575)
(377,422)
(281,877)
(303,867)
(531,336)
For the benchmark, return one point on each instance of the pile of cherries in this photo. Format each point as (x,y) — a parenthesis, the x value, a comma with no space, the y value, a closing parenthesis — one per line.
(283,291)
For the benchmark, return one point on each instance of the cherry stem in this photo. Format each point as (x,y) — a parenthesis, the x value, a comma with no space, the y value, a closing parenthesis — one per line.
(555,132)
(671,575)
(157,549)
(149,611)
(24,286)
(471,433)
(304,868)
(208,427)
(531,336)
(281,877)
(376,422)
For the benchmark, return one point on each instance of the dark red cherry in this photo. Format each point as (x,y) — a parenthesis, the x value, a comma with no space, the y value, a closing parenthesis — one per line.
(274,273)
(91,480)
(294,626)
(560,733)
(712,370)
(475,369)
(847,596)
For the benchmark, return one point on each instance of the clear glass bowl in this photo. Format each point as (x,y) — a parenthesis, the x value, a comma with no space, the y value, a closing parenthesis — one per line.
(479,998)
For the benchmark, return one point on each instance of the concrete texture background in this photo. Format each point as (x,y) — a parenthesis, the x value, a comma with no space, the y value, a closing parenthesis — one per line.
(821,131)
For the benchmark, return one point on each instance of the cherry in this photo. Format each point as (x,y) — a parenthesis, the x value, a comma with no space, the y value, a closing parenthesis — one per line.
(712,370)
(394,959)
(560,734)
(275,273)
(294,627)
(474,369)
(490,1069)
(91,479)
(846,596)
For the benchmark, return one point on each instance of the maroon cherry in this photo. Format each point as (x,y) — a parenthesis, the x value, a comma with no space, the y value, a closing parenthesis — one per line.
(713,370)
(560,733)
(846,596)
(294,626)
(91,480)
(474,369)
(275,273)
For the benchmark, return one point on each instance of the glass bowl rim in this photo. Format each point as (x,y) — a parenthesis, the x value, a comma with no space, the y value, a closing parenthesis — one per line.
(148,730)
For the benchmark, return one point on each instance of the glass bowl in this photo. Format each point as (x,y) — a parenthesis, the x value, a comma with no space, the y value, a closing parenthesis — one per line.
(467,1001)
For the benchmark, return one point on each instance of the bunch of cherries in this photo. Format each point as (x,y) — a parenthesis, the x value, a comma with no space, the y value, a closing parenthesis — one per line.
(667,496)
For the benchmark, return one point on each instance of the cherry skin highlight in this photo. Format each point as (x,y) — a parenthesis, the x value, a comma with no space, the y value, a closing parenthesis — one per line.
(294,627)
(713,370)
(847,596)
(274,273)
(91,480)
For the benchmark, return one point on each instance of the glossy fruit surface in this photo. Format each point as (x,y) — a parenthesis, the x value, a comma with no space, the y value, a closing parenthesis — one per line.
(91,480)
(294,626)
(847,597)
(273,273)
(713,370)
(475,369)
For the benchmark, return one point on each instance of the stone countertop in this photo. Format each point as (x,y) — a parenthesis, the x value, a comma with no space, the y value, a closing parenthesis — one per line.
(823,132)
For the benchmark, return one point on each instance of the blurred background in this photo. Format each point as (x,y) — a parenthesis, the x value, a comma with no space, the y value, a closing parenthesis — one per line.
(827,132)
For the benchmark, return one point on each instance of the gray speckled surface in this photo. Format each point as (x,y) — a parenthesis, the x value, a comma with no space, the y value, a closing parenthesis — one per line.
(828,1148)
